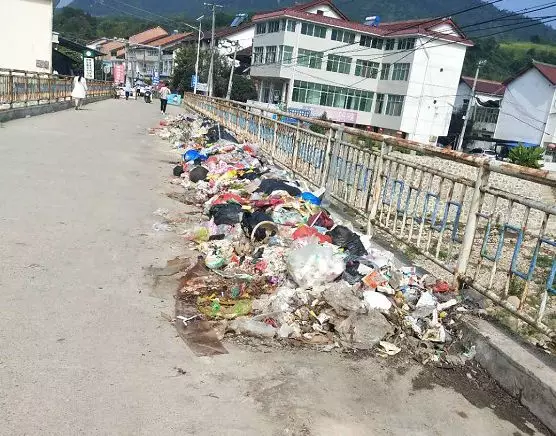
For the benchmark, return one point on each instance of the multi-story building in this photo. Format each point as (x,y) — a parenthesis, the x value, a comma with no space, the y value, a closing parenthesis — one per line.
(485,110)
(26,42)
(396,78)
(242,35)
(528,110)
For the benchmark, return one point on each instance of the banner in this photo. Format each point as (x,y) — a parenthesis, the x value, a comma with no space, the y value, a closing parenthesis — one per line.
(119,73)
(89,68)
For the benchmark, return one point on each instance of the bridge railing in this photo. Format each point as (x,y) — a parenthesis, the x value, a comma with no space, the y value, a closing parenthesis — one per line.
(489,225)
(21,88)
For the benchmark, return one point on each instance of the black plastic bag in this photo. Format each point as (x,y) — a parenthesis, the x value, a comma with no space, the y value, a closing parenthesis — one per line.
(258,225)
(346,239)
(178,170)
(229,213)
(197,174)
(268,186)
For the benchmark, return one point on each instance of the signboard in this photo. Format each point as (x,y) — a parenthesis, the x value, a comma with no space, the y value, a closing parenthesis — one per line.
(119,73)
(203,87)
(193,80)
(156,78)
(174,99)
(106,68)
(89,68)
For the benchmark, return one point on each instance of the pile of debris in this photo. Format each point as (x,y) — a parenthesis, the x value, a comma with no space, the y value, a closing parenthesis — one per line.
(275,263)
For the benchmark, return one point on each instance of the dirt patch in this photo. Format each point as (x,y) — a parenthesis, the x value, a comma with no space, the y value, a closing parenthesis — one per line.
(479,389)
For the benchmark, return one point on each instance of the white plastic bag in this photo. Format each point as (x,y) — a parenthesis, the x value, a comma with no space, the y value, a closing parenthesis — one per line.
(314,265)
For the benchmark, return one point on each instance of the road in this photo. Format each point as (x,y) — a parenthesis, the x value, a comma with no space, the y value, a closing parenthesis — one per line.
(84,348)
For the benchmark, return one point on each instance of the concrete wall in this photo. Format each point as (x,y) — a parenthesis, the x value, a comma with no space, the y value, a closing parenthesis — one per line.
(26,35)
(525,108)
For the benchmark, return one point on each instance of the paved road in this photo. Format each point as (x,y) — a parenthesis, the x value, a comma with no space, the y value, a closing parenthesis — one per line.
(84,350)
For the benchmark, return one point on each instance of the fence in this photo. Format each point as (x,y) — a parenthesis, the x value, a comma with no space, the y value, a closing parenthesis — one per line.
(487,223)
(21,88)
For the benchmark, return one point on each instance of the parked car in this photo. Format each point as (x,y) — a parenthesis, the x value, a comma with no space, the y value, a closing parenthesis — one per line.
(491,154)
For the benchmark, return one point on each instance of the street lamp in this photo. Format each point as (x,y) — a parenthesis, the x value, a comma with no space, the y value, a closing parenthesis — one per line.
(198,49)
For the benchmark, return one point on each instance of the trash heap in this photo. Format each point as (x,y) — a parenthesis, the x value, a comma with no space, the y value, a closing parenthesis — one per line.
(275,263)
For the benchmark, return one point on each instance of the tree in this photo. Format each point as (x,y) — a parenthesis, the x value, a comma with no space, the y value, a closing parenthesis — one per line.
(243,89)
(318,128)
(526,156)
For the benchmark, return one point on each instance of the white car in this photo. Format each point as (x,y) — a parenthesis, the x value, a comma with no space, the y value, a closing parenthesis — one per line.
(491,154)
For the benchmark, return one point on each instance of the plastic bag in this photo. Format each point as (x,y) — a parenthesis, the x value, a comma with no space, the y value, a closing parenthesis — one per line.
(258,225)
(229,213)
(321,219)
(314,265)
(197,174)
(348,240)
(268,186)
(305,231)
(178,170)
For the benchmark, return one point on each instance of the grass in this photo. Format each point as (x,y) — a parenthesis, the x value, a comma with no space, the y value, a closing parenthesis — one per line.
(524,46)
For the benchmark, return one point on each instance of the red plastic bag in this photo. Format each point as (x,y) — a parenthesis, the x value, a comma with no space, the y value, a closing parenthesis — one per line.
(305,231)
(321,219)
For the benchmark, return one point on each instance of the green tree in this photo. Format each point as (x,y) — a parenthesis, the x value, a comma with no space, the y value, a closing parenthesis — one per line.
(317,128)
(243,89)
(526,156)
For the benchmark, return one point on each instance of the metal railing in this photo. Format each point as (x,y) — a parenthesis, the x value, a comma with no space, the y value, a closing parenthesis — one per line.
(24,88)
(491,225)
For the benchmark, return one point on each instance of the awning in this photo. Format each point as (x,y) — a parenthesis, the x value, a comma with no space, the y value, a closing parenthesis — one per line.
(78,48)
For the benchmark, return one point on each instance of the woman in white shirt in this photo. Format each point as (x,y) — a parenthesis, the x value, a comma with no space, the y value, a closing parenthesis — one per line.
(79,91)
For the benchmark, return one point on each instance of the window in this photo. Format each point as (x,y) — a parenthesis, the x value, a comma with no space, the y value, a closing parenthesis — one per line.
(394,105)
(265,93)
(290,26)
(366,69)
(338,64)
(369,41)
(334,96)
(389,44)
(406,44)
(270,57)
(309,58)
(283,25)
(319,12)
(379,106)
(385,72)
(313,30)
(152,52)
(261,28)
(273,26)
(342,36)
(258,55)
(286,52)
(400,72)
(486,114)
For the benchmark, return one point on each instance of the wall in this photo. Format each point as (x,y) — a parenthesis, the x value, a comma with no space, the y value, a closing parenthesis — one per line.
(244,39)
(433,85)
(525,108)
(26,35)
(463,93)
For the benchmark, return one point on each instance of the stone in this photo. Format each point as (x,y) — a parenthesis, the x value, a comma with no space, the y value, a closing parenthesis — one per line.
(513,301)
(340,296)
(251,327)
(364,331)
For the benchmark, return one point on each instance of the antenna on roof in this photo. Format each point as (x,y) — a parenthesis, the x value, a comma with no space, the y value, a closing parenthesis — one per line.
(240,18)
(372,21)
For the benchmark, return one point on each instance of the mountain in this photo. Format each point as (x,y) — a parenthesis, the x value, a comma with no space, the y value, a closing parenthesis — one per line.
(388,10)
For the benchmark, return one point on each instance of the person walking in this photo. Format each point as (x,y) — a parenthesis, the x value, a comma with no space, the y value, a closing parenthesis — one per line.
(79,91)
(164,93)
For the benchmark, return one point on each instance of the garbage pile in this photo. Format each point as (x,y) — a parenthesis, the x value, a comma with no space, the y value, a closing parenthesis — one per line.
(275,263)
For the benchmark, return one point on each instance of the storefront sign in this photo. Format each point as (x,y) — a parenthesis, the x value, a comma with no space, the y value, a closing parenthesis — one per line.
(89,68)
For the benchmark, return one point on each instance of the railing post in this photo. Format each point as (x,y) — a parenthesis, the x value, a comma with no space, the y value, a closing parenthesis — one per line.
(327,158)
(295,147)
(377,183)
(26,89)
(274,140)
(471,225)
(11,89)
(39,89)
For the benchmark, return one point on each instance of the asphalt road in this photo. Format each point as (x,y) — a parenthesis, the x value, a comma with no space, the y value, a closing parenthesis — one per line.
(84,349)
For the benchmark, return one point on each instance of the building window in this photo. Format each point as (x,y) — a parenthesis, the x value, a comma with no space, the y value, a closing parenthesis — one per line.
(273,26)
(342,36)
(394,105)
(261,28)
(400,72)
(486,114)
(319,12)
(366,69)
(338,64)
(313,30)
(258,55)
(334,96)
(389,44)
(370,41)
(270,57)
(406,44)
(379,106)
(265,93)
(290,26)
(309,58)
(286,54)
(385,72)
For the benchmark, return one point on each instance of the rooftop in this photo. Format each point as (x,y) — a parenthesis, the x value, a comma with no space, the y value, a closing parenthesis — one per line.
(170,39)
(148,35)
(547,70)
(485,86)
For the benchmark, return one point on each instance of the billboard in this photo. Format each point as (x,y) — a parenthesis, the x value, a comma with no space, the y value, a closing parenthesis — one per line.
(119,73)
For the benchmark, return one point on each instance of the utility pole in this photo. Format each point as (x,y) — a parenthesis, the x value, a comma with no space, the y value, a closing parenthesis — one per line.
(159,66)
(211,66)
(469,105)
(229,93)
(200,20)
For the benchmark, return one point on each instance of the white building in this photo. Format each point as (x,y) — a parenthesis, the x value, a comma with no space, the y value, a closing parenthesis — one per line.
(528,111)
(396,78)
(486,108)
(26,43)
(242,34)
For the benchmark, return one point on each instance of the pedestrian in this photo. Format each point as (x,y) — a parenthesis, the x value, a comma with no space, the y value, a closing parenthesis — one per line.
(164,93)
(79,91)
(127,90)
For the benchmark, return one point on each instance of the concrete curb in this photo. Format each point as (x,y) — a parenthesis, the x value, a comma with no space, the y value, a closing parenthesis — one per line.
(40,109)
(518,370)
